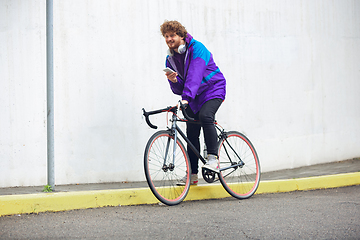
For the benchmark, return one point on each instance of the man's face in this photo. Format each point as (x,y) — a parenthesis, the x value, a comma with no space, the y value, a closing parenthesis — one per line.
(173,40)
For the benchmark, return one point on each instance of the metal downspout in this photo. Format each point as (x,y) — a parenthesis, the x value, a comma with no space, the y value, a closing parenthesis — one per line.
(50,93)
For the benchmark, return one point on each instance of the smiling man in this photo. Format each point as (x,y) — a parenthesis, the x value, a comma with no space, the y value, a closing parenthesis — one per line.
(201,85)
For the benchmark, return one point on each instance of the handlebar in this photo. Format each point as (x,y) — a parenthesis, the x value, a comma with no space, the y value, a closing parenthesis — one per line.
(168,109)
(183,107)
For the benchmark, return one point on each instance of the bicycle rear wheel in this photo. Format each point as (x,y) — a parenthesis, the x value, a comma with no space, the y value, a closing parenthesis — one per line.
(163,171)
(239,165)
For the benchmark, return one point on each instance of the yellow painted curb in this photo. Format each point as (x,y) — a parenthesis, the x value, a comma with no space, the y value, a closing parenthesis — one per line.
(301,184)
(62,201)
(43,202)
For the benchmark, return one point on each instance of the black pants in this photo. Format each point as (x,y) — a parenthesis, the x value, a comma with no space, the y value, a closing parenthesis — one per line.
(206,115)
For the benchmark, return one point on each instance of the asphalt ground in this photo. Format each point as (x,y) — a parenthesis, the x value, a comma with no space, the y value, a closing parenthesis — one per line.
(20,200)
(316,214)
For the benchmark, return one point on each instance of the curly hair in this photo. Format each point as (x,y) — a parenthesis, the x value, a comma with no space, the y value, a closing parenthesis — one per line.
(173,26)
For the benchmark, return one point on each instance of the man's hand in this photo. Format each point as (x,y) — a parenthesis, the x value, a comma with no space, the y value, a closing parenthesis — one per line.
(184,102)
(172,76)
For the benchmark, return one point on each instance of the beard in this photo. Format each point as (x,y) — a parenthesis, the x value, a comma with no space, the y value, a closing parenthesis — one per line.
(173,46)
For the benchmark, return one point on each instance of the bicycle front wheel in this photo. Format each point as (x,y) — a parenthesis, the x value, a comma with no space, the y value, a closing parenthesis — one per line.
(239,165)
(164,168)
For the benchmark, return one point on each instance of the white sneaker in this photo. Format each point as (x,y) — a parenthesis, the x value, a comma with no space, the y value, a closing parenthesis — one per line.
(193,180)
(212,163)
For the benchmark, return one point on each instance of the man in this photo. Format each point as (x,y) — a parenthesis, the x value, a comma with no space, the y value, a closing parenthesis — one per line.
(200,84)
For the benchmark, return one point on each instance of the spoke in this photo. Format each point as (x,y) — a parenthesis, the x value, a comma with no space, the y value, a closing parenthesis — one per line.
(241,181)
(165,177)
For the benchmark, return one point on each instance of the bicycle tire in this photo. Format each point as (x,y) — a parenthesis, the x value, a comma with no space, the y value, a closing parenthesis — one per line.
(161,178)
(240,182)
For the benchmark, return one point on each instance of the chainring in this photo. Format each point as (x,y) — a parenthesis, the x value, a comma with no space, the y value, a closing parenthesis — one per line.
(209,176)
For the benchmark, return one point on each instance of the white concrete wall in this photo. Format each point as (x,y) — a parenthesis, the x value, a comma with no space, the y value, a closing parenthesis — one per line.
(292,67)
(22,93)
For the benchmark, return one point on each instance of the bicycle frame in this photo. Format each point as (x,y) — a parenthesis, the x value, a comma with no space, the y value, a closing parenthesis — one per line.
(222,136)
(176,129)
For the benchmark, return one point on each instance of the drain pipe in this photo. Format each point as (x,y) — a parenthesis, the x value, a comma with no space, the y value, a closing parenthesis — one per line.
(50,93)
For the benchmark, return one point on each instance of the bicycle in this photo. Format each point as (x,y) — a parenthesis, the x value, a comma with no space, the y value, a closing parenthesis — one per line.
(166,161)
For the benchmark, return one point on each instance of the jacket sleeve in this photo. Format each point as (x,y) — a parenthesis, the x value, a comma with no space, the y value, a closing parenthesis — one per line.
(197,66)
(177,87)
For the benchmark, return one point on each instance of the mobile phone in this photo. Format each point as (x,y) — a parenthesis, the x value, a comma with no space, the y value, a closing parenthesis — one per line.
(169,70)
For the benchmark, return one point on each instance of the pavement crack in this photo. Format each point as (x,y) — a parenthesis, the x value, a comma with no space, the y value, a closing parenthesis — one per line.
(352,203)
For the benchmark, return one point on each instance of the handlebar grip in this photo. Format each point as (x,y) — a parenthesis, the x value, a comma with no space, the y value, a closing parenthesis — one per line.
(146,114)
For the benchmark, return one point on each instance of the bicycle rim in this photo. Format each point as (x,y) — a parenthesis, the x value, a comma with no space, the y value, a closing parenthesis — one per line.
(160,175)
(239,181)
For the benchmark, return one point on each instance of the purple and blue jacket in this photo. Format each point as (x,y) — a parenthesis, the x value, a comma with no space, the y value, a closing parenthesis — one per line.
(201,80)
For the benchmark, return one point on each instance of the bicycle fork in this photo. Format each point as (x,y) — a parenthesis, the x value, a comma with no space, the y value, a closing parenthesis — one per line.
(165,168)
(171,165)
